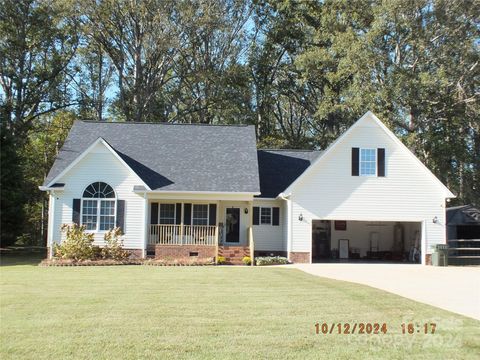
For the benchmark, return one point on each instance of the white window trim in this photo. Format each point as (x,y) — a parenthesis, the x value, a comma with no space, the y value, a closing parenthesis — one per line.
(360,162)
(174,213)
(260,215)
(208,214)
(114,199)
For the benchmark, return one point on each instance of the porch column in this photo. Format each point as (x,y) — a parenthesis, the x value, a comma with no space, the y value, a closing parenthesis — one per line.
(217,218)
(146,231)
(250,233)
(181,224)
(289,225)
(50,229)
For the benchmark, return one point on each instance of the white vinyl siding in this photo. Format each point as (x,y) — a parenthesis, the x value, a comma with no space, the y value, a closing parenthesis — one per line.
(269,237)
(328,191)
(101,165)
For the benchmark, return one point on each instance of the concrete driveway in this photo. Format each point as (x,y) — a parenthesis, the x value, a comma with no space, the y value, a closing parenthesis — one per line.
(455,289)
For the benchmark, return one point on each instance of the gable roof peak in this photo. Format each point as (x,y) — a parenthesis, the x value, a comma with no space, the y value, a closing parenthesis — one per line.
(212,157)
(160,123)
(369,115)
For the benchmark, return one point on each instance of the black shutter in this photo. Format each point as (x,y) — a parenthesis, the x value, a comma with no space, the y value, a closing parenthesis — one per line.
(256,215)
(178,213)
(76,211)
(121,215)
(355,160)
(275,216)
(154,214)
(381,162)
(187,214)
(212,216)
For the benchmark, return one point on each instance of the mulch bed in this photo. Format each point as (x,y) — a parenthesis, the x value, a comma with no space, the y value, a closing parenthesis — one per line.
(148,262)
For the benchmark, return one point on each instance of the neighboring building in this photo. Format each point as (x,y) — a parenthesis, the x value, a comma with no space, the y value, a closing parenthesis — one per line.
(204,190)
(463,235)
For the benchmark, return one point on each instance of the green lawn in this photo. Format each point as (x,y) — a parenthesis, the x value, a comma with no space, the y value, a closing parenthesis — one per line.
(134,312)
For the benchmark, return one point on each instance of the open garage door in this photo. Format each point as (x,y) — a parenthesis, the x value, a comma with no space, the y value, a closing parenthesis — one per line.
(366,241)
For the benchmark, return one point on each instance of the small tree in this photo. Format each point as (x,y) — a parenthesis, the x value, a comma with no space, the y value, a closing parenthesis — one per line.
(113,248)
(78,245)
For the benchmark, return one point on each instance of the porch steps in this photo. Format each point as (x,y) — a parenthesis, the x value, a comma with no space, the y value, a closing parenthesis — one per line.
(234,254)
(464,252)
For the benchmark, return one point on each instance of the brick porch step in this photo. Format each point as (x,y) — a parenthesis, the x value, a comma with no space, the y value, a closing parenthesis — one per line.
(234,254)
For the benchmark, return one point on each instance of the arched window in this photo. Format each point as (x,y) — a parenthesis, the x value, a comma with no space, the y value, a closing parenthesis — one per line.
(98,207)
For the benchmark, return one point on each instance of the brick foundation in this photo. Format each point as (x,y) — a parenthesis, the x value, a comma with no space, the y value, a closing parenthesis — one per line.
(299,257)
(183,251)
(428,259)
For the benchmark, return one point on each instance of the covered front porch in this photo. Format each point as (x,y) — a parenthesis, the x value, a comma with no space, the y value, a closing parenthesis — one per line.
(179,229)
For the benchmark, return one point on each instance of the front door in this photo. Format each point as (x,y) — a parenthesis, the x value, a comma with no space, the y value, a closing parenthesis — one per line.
(232,225)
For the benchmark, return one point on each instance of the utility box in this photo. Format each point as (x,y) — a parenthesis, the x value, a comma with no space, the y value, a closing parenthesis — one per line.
(440,255)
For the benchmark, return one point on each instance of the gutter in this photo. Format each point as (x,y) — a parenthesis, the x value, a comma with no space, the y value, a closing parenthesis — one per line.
(47,188)
(195,192)
(284,196)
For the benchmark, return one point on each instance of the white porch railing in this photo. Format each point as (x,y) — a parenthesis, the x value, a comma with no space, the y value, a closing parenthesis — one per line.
(182,235)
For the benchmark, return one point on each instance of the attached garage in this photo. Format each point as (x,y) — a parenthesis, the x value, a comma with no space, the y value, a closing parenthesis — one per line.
(366,241)
(366,198)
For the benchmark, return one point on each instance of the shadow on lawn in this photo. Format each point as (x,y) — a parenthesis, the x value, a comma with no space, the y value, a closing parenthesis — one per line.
(22,256)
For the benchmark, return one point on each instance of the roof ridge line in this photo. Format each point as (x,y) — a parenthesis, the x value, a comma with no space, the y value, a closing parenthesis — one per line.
(161,123)
(298,150)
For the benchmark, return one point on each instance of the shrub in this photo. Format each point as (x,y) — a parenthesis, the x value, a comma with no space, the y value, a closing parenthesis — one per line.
(271,260)
(221,260)
(113,248)
(78,245)
(247,260)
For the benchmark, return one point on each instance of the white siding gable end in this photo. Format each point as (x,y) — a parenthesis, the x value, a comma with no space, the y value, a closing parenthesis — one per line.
(95,148)
(100,164)
(370,121)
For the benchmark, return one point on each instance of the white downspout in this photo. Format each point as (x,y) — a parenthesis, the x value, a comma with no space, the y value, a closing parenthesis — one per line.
(145,227)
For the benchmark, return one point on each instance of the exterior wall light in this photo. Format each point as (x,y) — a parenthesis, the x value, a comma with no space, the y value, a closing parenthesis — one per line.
(300,217)
(245,210)
(435,220)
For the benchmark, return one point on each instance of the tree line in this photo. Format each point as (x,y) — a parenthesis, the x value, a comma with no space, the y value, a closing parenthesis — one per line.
(300,71)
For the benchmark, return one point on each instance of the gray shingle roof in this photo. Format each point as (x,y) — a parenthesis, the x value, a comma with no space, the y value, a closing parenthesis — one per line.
(279,168)
(173,157)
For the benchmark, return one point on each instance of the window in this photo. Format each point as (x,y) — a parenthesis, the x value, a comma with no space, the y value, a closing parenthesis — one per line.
(265,215)
(89,217)
(107,215)
(368,162)
(200,214)
(167,214)
(98,207)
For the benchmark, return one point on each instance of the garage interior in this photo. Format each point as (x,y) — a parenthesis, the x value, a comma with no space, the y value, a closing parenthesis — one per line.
(366,241)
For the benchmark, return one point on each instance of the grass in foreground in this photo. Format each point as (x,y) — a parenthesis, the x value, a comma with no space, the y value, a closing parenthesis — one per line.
(132,312)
